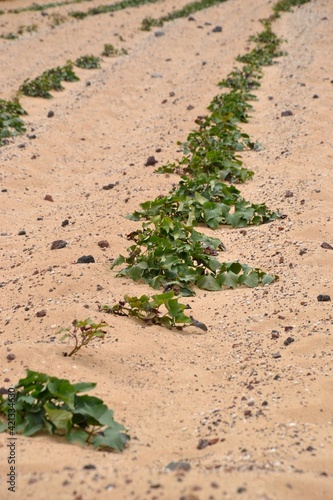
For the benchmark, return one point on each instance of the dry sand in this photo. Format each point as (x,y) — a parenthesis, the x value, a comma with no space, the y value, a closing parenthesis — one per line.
(272,416)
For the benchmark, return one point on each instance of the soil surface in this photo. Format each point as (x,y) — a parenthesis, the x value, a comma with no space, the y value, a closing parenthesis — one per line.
(265,405)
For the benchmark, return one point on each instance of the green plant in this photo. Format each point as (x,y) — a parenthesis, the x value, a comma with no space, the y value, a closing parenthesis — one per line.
(214,147)
(45,6)
(82,333)
(206,199)
(49,80)
(56,19)
(9,36)
(167,253)
(286,6)
(111,51)
(32,28)
(44,403)
(104,9)
(148,310)
(88,62)
(187,10)
(11,123)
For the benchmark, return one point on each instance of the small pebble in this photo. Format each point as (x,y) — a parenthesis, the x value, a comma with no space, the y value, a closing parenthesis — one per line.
(22,232)
(50,114)
(151,161)
(323,298)
(327,246)
(86,259)
(41,314)
(287,113)
(57,244)
(276,355)
(103,244)
(288,341)
(217,29)
(89,467)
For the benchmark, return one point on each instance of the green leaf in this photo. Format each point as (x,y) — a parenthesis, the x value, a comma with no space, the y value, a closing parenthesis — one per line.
(110,439)
(62,389)
(61,419)
(78,436)
(84,386)
(33,423)
(267,279)
(251,280)
(118,261)
(208,283)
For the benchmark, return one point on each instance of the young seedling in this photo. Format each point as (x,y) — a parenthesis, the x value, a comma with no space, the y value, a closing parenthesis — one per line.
(44,403)
(148,310)
(82,333)
(11,123)
(49,80)
(88,62)
(185,11)
(111,51)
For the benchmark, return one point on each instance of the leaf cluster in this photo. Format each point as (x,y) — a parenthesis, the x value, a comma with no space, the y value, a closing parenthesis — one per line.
(147,309)
(30,28)
(206,199)
(187,10)
(88,62)
(214,147)
(111,51)
(11,123)
(49,80)
(82,333)
(45,6)
(104,9)
(266,50)
(45,403)
(286,6)
(167,253)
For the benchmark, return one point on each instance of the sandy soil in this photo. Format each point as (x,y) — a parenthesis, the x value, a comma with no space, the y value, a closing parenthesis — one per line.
(272,415)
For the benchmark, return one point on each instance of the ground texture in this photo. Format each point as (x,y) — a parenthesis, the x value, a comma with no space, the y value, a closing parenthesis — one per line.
(265,407)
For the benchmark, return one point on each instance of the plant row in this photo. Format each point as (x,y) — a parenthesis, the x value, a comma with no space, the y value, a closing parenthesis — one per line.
(168,252)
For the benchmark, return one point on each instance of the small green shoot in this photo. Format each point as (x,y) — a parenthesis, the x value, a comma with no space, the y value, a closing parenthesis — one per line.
(111,51)
(82,333)
(148,310)
(56,19)
(32,28)
(44,403)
